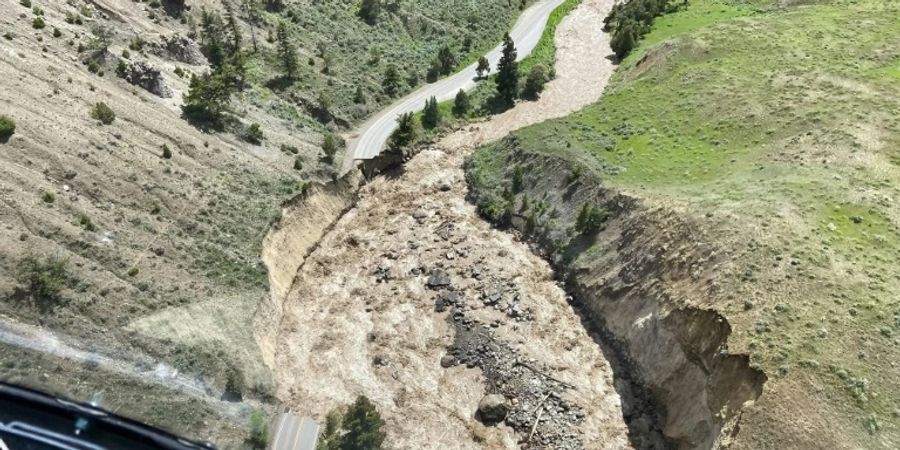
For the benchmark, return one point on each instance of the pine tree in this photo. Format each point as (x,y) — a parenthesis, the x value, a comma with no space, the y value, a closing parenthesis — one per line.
(484,67)
(461,103)
(391,83)
(363,426)
(431,115)
(446,59)
(207,99)
(369,11)
(623,39)
(329,146)
(235,31)
(508,72)
(360,97)
(287,52)
(405,132)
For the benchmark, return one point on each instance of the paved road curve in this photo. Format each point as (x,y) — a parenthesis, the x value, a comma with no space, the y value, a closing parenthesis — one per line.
(371,137)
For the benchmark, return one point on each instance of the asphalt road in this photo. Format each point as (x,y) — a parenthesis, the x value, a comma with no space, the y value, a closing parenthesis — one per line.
(371,137)
(295,433)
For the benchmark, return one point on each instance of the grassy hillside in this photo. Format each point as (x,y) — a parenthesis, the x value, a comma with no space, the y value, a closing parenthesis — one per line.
(340,53)
(777,128)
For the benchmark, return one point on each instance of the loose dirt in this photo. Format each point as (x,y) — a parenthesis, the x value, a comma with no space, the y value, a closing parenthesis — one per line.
(412,280)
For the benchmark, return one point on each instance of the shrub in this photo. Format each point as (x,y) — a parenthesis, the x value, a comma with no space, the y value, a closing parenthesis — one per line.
(56,32)
(125,53)
(329,146)
(122,69)
(461,104)
(405,133)
(535,82)
(8,36)
(44,278)
(628,21)
(590,219)
(7,127)
(48,197)
(38,23)
(86,222)
(259,431)
(252,134)
(166,152)
(298,163)
(132,271)
(103,113)
(25,3)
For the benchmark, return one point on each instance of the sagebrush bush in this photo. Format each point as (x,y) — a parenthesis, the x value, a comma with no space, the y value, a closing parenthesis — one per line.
(252,133)
(7,127)
(103,113)
(44,278)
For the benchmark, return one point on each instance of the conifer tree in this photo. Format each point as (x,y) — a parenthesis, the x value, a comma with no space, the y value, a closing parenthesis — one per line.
(287,52)
(431,115)
(508,72)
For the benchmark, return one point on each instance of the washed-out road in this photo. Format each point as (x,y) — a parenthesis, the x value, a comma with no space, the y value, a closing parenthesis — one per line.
(368,141)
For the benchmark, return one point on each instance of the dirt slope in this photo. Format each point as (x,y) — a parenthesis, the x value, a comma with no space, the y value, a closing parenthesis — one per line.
(362,319)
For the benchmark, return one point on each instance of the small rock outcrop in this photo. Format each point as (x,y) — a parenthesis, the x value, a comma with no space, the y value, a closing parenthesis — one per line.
(150,78)
(178,48)
(492,409)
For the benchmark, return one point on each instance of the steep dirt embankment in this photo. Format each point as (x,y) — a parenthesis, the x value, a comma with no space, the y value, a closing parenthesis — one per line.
(304,220)
(646,279)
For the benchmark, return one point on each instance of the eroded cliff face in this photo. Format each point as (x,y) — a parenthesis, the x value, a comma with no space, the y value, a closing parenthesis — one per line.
(304,220)
(645,278)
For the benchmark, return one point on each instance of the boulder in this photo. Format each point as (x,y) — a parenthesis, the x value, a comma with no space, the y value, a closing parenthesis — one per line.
(142,74)
(448,361)
(492,409)
(438,278)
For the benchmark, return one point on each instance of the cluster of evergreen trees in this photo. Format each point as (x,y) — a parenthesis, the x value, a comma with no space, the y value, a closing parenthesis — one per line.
(359,428)
(207,99)
(629,21)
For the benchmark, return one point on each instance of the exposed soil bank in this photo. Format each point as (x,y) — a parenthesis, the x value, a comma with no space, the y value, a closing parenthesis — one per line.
(645,279)
(304,220)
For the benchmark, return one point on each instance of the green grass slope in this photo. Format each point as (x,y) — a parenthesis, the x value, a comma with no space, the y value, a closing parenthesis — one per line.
(780,127)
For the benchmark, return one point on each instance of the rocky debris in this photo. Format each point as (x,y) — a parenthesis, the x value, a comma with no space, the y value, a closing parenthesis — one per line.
(492,409)
(382,274)
(444,230)
(438,278)
(141,73)
(448,361)
(447,299)
(529,387)
(505,298)
(178,48)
